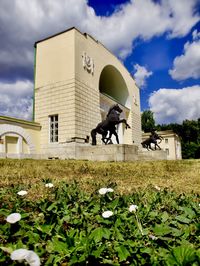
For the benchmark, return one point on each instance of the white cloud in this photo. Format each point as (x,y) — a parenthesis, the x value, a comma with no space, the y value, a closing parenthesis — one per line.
(195,35)
(29,21)
(175,105)
(188,64)
(144,19)
(16,99)
(181,20)
(141,75)
(25,22)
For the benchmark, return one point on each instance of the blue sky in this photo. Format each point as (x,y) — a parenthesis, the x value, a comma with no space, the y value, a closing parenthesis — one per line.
(157,40)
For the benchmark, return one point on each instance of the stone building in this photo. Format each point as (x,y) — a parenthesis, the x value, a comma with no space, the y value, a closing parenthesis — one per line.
(76,81)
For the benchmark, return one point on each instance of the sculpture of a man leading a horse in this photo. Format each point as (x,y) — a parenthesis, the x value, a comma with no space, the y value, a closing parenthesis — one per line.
(153,139)
(109,126)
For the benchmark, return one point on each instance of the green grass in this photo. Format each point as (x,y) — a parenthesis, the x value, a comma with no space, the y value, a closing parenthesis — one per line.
(64,226)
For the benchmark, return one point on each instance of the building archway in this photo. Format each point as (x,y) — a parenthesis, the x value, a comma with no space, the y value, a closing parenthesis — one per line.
(14,138)
(113,89)
(112,84)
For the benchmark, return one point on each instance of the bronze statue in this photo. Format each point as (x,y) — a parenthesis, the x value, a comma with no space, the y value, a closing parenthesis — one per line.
(152,139)
(109,125)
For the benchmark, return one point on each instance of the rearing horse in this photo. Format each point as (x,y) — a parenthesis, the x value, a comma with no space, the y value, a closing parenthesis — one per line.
(152,139)
(112,119)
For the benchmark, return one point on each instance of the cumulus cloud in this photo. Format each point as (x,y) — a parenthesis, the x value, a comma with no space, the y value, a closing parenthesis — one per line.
(29,21)
(187,65)
(181,20)
(23,22)
(141,75)
(175,105)
(16,99)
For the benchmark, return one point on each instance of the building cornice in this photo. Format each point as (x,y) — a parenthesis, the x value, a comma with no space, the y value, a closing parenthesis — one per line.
(8,119)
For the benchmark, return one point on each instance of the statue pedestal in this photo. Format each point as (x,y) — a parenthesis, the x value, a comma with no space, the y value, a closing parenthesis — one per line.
(113,152)
(80,151)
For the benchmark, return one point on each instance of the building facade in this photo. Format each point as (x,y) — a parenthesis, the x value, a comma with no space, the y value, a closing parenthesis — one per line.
(76,81)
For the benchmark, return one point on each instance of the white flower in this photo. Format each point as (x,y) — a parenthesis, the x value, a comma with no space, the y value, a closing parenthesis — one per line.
(133,208)
(22,192)
(49,185)
(157,188)
(28,255)
(107,214)
(13,218)
(19,254)
(153,237)
(104,190)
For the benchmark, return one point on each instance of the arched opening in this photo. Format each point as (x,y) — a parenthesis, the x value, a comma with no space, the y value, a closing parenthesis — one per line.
(112,84)
(113,89)
(15,141)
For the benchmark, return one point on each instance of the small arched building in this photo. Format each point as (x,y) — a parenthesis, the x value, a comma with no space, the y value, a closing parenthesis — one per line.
(76,81)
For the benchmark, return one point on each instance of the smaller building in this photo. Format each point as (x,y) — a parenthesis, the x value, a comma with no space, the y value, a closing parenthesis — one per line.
(19,138)
(171,143)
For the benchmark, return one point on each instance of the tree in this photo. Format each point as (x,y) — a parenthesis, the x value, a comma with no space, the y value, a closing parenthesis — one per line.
(190,131)
(148,122)
(190,150)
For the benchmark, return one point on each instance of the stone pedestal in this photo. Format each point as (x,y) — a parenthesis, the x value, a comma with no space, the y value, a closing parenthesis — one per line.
(114,152)
(78,151)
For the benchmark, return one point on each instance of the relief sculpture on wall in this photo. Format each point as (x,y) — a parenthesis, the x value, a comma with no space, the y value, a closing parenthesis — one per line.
(88,63)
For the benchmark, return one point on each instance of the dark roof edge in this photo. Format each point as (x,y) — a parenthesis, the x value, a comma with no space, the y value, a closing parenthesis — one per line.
(49,37)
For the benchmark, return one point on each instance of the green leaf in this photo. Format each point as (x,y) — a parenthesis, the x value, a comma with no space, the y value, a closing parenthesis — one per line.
(98,252)
(52,206)
(114,203)
(123,252)
(7,250)
(181,256)
(45,228)
(162,229)
(106,233)
(57,246)
(119,236)
(183,219)
(165,217)
(188,212)
(176,232)
(97,234)
(96,209)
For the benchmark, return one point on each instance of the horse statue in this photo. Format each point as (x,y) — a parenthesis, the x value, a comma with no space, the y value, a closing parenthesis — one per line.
(109,125)
(152,139)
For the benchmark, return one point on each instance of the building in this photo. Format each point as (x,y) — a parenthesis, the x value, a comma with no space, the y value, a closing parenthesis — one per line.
(171,144)
(19,138)
(76,81)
